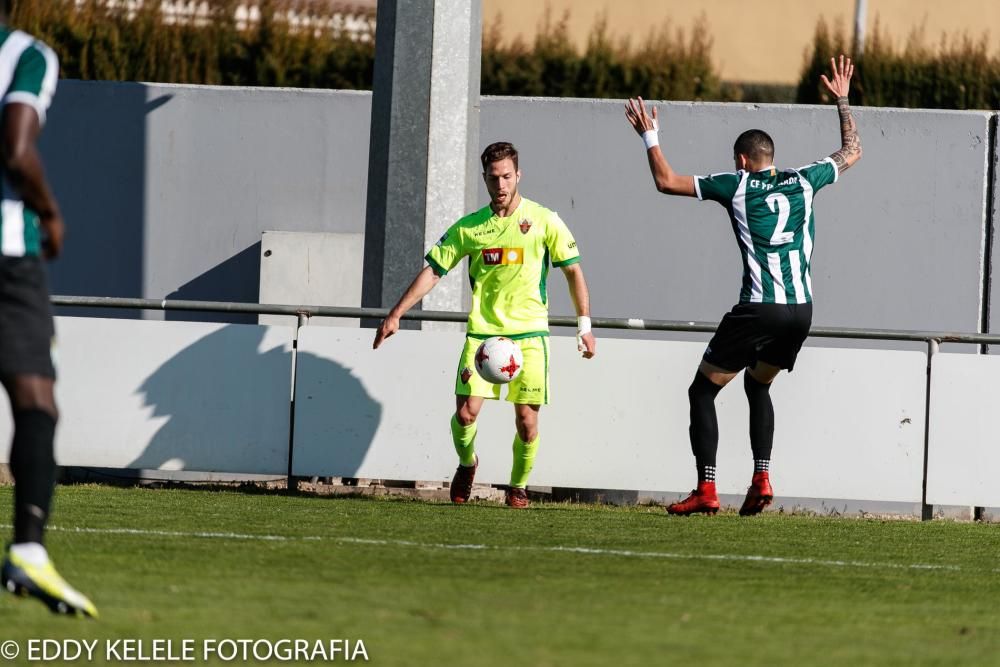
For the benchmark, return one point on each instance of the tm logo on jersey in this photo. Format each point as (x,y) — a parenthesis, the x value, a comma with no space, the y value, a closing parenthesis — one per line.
(499,256)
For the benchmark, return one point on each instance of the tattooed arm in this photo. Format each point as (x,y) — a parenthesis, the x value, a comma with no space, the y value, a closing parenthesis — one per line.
(839,85)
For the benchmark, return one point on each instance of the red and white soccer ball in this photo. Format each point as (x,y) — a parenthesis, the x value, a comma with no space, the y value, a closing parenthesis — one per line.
(499,360)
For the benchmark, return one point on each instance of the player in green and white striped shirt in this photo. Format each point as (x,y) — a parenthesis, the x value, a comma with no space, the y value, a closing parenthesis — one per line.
(30,226)
(771,212)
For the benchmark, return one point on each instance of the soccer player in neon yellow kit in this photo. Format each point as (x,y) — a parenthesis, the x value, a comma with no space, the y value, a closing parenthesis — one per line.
(510,244)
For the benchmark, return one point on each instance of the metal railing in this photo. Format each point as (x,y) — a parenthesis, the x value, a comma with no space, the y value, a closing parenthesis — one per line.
(932,339)
(636,324)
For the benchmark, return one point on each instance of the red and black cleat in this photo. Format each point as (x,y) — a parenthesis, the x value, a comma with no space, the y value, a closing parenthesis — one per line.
(517,498)
(759,495)
(461,483)
(703,500)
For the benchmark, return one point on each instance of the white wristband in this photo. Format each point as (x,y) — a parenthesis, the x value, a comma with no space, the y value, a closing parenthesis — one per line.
(582,325)
(650,138)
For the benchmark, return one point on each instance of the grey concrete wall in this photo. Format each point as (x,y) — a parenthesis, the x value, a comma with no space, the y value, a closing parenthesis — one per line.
(898,240)
(168,188)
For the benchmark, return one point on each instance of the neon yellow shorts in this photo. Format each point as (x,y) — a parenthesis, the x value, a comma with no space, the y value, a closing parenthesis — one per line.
(531,387)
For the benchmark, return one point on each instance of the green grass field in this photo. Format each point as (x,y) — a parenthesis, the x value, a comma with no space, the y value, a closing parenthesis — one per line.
(432,583)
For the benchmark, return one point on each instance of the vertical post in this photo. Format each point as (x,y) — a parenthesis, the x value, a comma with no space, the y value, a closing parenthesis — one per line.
(292,482)
(989,227)
(453,145)
(927,511)
(424,128)
(979,513)
(860,17)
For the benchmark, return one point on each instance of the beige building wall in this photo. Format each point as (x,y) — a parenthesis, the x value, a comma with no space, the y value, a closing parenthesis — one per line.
(761,42)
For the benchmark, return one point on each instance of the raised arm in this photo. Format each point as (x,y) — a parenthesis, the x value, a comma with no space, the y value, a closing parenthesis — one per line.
(667,180)
(418,289)
(850,140)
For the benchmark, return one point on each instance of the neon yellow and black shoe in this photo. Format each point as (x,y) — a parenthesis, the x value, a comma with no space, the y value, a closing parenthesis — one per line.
(44,583)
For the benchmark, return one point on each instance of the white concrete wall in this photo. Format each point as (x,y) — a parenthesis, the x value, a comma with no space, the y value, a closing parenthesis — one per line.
(171,396)
(618,421)
(215,398)
(963,455)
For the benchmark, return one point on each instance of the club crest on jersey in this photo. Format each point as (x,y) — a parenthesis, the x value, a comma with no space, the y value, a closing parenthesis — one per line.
(466,375)
(525,226)
(500,256)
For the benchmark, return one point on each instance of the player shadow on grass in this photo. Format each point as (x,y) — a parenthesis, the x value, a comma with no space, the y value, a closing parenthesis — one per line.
(226,405)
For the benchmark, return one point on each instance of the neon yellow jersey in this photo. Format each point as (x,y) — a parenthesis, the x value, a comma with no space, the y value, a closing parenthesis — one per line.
(509,262)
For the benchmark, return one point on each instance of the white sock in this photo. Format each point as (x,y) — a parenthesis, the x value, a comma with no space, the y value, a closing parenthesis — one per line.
(32,553)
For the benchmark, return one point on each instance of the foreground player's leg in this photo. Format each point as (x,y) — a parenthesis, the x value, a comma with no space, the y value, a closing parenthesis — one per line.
(525,447)
(757,385)
(704,432)
(27,569)
(464,438)
(463,435)
(33,467)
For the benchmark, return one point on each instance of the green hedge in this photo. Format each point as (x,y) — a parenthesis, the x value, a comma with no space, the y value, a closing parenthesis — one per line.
(959,73)
(667,65)
(95,42)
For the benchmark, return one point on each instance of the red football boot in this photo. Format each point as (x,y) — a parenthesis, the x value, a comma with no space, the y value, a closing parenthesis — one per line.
(461,483)
(517,498)
(759,495)
(703,499)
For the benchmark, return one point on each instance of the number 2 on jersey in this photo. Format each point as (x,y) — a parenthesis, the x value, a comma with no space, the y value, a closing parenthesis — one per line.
(778,203)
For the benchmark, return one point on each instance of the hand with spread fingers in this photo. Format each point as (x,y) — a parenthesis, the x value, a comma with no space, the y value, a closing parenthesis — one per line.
(635,113)
(840,83)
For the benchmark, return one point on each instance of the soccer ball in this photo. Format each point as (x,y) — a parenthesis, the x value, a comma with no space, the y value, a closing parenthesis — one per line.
(499,360)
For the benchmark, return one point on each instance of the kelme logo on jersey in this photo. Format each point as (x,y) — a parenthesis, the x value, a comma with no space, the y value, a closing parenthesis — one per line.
(466,375)
(525,226)
(499,256)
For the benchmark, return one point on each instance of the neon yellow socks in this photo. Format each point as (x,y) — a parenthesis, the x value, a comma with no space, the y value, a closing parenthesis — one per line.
(524,460)
(464,438)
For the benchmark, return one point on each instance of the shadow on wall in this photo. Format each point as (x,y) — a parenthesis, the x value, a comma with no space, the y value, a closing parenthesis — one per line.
(226,405)
(236,279)
(96,162)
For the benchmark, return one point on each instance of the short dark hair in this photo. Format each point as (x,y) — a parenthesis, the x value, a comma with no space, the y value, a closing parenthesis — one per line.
(497,151)
(5,7)
(755,144)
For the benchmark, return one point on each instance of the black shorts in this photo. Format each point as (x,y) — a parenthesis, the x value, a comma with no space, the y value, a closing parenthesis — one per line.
(752,332)
(26,326)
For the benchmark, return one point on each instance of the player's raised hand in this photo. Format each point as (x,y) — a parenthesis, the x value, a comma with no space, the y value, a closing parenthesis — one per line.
(840,82)
(389,326)
(635,113)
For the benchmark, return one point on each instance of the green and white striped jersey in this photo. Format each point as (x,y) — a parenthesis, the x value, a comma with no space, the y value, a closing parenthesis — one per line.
(28,73)
(772,216)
